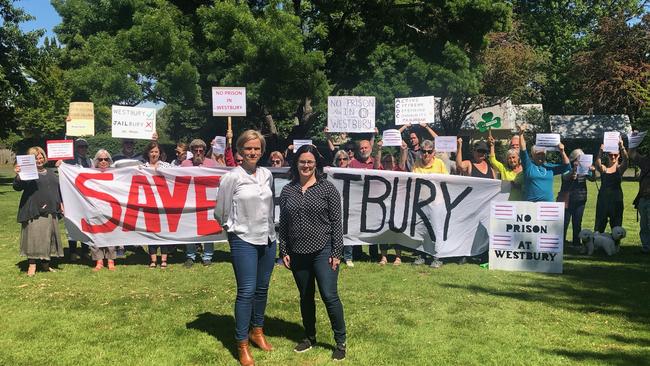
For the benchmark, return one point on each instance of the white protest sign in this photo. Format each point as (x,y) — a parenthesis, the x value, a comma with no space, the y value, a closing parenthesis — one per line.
(227,101)
(219,146)
(28,170)
(81,120)
(133,122)
(634,139)
(60,149)
(414,110)
(298,143)
(446,143)
(391,137)
(527,236)
(351,114)
(584,163)
(610,141)
(548,141)
(188,155)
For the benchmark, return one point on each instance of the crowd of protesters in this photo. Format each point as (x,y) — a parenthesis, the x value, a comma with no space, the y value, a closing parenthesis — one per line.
(309,232)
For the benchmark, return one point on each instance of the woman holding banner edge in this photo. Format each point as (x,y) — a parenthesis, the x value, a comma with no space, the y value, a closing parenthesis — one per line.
(245,209)
(311,244)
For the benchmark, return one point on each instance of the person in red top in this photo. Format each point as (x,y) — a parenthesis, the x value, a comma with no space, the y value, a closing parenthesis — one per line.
(363,158)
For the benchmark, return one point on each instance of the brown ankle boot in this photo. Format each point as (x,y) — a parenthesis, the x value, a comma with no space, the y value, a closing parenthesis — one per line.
(245,357)
(257,337)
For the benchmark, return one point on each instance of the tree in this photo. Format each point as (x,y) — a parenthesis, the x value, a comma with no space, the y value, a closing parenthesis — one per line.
(612,76)
(18,50)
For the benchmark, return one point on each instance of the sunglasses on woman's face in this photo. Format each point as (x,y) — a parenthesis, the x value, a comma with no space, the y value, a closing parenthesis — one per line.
(342,159)
(103,159)
(276,161)
(427,152)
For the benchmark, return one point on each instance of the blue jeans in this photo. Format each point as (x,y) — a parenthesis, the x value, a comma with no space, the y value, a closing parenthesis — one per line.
(208,251)
(253,265)
(644,218)
(306,269)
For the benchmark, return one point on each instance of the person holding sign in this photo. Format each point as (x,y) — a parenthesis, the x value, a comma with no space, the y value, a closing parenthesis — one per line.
(609,205)
(642,199)
(538,174)
(414,150)
(39,211)
(102,162)
(478,167)
(513,173)
(574,195)
(80,159)
(311,244)
(245,209)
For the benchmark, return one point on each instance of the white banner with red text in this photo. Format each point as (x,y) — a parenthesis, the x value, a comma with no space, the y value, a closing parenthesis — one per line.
(441,214)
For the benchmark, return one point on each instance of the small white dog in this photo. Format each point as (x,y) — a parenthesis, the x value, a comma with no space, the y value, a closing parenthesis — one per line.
(607,242)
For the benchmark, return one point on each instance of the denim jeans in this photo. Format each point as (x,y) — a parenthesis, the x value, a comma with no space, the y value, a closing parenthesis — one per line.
(644,218)
(208,251)
(574,213)
(253,265)
(347,253)
(306,269)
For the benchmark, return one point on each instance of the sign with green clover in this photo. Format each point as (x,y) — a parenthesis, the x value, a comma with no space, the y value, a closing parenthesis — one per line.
(489,121)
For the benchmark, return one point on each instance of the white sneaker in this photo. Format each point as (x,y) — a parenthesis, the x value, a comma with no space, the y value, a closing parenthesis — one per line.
(349,263)
(435,264)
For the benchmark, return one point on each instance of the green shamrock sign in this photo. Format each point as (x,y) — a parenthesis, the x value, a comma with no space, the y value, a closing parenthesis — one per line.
(489,121)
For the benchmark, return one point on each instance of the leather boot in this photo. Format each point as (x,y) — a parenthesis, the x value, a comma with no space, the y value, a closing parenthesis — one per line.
(245,356)
(257,337)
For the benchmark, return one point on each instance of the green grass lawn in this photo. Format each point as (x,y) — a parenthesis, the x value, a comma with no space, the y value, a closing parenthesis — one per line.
(597,312)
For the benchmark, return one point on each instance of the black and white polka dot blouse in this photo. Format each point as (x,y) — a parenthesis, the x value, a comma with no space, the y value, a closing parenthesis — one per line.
(309,221)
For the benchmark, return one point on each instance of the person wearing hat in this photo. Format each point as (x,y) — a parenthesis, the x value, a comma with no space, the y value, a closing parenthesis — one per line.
(478,167)
(538,174)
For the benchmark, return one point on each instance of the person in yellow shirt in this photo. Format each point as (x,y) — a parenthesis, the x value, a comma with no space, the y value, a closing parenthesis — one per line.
(513,173)
(427,162)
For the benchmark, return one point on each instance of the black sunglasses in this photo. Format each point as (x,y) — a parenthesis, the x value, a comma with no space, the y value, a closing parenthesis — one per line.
(103,159)
(427,151)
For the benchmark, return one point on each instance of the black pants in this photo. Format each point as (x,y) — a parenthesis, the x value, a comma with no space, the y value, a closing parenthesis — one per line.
(608,210)
(72,245)
(574,213)
(315,266)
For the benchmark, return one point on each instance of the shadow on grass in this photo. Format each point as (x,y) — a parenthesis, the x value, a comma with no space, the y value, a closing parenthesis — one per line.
(622,358)
(222,327)
(617,289)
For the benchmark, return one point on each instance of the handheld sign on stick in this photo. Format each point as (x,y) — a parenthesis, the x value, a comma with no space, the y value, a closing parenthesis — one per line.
(229,102)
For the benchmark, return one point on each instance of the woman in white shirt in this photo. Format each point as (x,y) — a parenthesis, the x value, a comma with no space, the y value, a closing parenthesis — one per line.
(245,210)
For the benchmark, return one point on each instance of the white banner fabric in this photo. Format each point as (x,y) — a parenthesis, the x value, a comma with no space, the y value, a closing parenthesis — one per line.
(441,214)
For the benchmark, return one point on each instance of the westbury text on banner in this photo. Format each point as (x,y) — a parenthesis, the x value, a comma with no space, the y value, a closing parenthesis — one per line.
(441,214)
(527,236)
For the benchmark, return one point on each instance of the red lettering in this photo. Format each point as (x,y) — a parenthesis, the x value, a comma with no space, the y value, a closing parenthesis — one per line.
(149,208)
(205,225)
(173,203)
(116,210)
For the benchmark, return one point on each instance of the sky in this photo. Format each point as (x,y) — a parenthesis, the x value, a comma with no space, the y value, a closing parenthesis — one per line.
(43,11)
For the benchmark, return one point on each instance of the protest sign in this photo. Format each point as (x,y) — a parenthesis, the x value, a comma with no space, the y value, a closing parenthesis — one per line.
(549,141)
(298,143)
(133,122)
(634,139)
(584,163)
(219,146)
(527,236)
(448,215)
(28,170)
(610,141)
(351,114)
(391,137)
(81,119)
(228,101)
(446,143)
(414,110)
(60,149)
